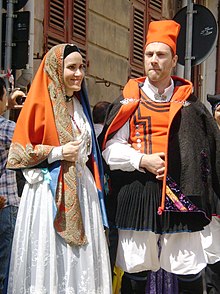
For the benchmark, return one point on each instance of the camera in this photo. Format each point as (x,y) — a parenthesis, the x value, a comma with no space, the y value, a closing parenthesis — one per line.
(20,100)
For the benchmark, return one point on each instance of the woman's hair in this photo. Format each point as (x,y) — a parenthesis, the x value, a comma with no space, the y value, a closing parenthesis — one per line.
(70,48)
(2,87)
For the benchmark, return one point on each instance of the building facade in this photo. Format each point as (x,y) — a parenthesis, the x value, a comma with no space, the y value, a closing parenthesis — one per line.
(111,37)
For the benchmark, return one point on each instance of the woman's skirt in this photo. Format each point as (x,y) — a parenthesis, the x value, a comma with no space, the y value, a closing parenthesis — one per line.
(41,262)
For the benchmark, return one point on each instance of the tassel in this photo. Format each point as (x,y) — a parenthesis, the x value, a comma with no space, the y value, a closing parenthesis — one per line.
(160,210)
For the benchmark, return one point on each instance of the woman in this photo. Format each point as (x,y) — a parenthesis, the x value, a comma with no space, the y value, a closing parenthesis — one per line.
(59,244)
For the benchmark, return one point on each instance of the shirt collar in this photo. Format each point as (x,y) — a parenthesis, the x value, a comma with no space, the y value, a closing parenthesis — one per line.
(152,92)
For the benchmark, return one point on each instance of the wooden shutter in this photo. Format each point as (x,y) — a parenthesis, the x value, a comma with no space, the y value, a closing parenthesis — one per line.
(142,13)
(79,21)
(66,22)
(156,5)
(137,39)
(154,10)
(55,29)
(78,28)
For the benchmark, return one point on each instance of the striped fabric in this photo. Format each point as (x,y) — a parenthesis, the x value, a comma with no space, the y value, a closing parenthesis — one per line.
(8,185)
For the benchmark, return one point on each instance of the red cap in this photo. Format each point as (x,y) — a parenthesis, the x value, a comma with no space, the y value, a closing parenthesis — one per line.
(163,31)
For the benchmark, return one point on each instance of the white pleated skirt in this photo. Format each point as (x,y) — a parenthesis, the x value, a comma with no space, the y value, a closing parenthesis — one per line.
(41,262)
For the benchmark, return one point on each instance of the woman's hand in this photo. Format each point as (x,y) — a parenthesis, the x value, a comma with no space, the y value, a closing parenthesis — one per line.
(70,150)
(154,163)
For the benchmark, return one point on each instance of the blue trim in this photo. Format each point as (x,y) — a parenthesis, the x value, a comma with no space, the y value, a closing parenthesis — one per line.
(54,170)
(95,150)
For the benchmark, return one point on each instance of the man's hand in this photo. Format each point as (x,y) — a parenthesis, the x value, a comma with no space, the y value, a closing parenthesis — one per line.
(15,94)
(154,163)
(2,201)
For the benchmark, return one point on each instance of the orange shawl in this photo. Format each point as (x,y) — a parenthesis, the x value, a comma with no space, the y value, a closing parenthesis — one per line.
(42,124)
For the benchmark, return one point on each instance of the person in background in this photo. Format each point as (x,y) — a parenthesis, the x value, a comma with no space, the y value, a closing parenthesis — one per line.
(59,244)
(212,232)
(9,200)
(162,147)
(214,101)
(98,113)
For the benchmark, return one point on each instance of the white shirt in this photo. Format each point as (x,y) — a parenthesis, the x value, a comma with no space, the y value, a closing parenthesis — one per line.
(152,92)
(118,153)
(98,128)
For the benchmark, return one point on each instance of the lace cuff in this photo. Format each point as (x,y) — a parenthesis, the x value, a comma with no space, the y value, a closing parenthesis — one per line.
(55,154)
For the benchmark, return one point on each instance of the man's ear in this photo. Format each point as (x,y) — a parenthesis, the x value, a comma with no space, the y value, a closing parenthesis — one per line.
(175,59)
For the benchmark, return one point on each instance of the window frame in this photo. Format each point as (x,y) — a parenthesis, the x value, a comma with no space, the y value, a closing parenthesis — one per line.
(55,35)
(151,11)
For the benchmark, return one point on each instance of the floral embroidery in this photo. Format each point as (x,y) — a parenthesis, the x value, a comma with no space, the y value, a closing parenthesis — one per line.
(205,170)
(180,199)
(29,156)
(128,100)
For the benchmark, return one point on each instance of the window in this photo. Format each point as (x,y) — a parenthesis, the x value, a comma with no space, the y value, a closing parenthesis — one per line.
(137,31)
(156,6)
(65,22)
(55,30)
(142,12)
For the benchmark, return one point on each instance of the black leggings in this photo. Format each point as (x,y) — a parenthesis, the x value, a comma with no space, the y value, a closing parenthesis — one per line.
(190,284)
(134,283)
(212,276)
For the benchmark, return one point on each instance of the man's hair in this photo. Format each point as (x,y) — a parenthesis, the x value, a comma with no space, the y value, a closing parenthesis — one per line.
(99,112)
(2,87)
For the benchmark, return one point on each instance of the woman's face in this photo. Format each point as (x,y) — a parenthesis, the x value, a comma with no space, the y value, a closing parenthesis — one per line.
(73,73)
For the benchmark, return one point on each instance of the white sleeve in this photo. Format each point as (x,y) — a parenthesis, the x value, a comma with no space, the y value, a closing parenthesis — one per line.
(55,154)
(119,154)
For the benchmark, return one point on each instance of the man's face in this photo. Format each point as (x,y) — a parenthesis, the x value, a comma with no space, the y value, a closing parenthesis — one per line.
(159,62)
(3,102)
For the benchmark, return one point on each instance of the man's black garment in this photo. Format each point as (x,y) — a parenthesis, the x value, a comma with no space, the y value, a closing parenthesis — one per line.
(212,274)
(134,283)
(190,284)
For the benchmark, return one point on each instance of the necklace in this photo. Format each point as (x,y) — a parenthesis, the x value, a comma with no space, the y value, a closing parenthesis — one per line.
(75,123)
(68,98)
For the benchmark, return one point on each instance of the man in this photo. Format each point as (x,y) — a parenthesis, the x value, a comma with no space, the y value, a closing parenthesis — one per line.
(8,185)
(162,148)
